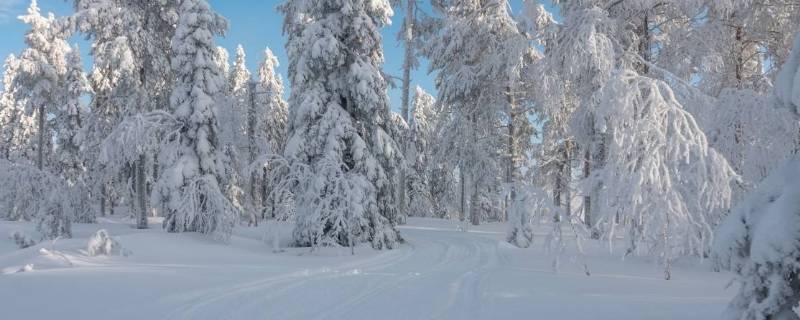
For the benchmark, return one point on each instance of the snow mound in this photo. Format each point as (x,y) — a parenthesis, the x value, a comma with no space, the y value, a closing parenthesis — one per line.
(22,240)
(102,244)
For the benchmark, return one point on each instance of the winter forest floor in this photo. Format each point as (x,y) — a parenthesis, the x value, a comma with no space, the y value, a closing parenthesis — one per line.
(440,273)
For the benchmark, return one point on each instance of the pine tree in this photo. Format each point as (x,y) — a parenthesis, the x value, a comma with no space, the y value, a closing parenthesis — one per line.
(337,127)
(189,190)
(69,126)
(267,131)
(422,126)
(17,128)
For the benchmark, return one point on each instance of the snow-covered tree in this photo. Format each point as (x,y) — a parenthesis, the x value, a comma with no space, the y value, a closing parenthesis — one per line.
(660,175)
(267,119)
(189,191)
(241,100)
(422,126)
(69,118)
(233,103)
(478,52)
(758,240)
(131,49)
(17,127)
(221,58)
(42,65)
(337,126)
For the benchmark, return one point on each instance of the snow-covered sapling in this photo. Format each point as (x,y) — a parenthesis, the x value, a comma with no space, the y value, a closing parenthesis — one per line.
(22,240)
(102,244)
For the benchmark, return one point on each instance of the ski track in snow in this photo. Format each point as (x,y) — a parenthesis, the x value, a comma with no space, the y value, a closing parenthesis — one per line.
(440,273)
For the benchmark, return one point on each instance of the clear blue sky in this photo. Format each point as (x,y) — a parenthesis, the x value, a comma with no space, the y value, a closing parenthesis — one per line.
(253,23)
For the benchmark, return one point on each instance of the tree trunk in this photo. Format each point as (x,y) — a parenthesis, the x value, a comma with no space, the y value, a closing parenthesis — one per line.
(511,170)
(141,191)
(462,215)
(587,199)
(645,38)
(408,38)
(567,178)
(40,151)
(251,137)
(473,207)
(103,195)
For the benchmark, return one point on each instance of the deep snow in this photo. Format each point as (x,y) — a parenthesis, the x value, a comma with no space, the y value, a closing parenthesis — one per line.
(440,273)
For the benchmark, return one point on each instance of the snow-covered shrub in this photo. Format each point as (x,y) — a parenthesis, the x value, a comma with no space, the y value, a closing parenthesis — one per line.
(22,240)
(760,242)
(102,244)
(520,213)
(30,194)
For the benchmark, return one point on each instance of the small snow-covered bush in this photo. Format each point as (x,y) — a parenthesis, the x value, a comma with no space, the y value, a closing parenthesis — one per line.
(22,240)
(102,244)
(30,194)
(525,201)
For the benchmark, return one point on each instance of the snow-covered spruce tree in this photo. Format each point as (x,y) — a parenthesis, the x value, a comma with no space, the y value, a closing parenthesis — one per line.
(232,103)
(69,119)
(16,126)
(267,119)
(422,126)
(271,110)
(240,92)
(221,58)
(682,185)
(188,192)
(337,123)
(758,240)
(42,65)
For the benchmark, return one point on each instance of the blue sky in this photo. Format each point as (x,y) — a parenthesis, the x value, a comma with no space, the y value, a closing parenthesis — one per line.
(253,23)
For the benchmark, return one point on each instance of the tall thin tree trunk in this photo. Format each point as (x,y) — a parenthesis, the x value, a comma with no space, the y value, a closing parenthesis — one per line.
(568,178)
(408,62)
(103,195)
(511,170)
(645,39)
(462,215)
(141,192)
(408,38)
(473,207)
(587,199)
(40,151)
(251,137)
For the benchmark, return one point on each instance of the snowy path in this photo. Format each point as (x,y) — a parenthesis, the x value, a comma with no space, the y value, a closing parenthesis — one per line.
(440,274)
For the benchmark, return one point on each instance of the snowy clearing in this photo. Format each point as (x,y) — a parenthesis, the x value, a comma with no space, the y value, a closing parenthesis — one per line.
(440,273)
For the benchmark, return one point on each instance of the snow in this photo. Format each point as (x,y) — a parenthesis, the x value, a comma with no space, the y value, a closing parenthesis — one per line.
(439,273)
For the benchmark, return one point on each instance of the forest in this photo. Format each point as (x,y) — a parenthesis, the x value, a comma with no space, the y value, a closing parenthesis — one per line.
(655,136)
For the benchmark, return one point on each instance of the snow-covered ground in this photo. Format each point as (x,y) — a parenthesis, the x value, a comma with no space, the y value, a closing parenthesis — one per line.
(440,273)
